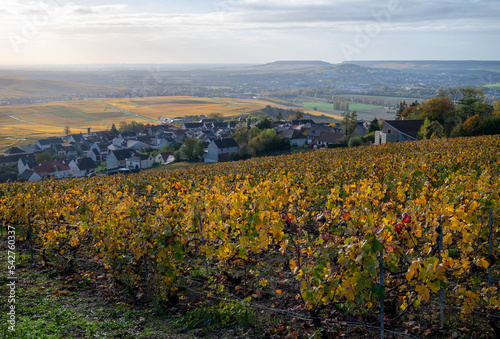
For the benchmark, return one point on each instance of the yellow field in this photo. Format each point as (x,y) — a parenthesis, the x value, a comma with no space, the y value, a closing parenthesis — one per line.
(175,106)
(25,123)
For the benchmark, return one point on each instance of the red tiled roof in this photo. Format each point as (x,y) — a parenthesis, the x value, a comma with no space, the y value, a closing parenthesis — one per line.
(48,167)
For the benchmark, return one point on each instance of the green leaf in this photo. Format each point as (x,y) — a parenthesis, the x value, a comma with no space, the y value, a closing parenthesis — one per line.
(377,245)
(379,290)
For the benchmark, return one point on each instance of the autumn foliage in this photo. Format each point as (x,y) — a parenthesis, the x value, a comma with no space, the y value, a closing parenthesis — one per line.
(328,213)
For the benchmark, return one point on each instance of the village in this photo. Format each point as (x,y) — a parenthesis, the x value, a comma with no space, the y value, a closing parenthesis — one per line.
(111,152)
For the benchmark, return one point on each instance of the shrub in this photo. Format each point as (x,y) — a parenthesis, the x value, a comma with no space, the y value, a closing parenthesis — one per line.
(354,141)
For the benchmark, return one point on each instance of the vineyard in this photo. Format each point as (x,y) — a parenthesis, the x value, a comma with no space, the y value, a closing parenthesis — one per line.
(343,238)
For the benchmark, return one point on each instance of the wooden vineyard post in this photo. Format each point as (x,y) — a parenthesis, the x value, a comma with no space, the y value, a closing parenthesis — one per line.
(203,242)
(146,269)
(382,296)
(490,248)
(30,237)
(441,291)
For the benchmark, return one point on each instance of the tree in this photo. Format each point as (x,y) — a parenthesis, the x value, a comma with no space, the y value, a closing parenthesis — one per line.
(297,115)
(401,108)
(349,122)
(433,130)
(67,131)
(198,150)
(355,141)
(44,156)
(122,126)
(216,116)
(374,126)
(437,109)
(469,101)
(113,129)
(496,109)
(187,149)
(279,116)
(240,135)
(177,156)
(264,123)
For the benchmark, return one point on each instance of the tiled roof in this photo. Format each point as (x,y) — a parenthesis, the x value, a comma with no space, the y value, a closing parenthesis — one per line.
(408,127)
(226,143)
(49,167)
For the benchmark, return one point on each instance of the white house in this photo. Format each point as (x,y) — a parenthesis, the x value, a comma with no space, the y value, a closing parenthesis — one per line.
(56,169)
(220,149)
(398,130)
(296,138)
(82,167)
(165,158)
(140,161)
(117,159)
(30,175)
(45,144)
(26,163)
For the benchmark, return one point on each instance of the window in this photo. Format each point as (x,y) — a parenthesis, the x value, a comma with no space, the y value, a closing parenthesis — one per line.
(388,131)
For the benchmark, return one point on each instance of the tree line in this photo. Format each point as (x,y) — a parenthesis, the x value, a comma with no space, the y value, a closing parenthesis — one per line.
(454,112)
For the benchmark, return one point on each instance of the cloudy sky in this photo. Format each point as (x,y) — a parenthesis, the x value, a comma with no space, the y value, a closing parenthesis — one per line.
(246,31)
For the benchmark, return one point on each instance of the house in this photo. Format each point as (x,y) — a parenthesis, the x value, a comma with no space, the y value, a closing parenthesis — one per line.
(56,169)
(136,145)
(81,167)
(326,138)
(161,140)
(296,138)
(59,150)
(26,163)
(127,135)
(165,158)
(361,128)
(45,144)
(117,159)
(94,155)
(13,150)
(75,139)
(11,160)
(30,148)
(302,122)
(140,161)
(30,175)
(102,148)
(315,131)
(398,130)
(192,126)
(220,149)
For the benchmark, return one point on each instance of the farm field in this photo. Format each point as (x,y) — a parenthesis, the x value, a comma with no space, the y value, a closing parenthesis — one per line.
(32,88)
(365,111)
(493,86)
(25,123)
(171,107)
(316,241)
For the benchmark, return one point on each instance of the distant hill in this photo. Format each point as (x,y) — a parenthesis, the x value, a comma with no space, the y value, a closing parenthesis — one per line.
(34,88)
(432,65)
(283,66)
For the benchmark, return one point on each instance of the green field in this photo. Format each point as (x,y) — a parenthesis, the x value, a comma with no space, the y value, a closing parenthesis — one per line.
(353,106)
(324,106)
(493,86)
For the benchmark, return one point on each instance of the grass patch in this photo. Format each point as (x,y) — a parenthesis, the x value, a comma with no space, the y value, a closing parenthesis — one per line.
(493,86)
(322,106)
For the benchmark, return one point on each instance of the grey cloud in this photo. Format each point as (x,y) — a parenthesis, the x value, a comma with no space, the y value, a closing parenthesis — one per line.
(363,10)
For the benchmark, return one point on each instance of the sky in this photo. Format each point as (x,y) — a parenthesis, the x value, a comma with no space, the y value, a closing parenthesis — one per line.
(38,32)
